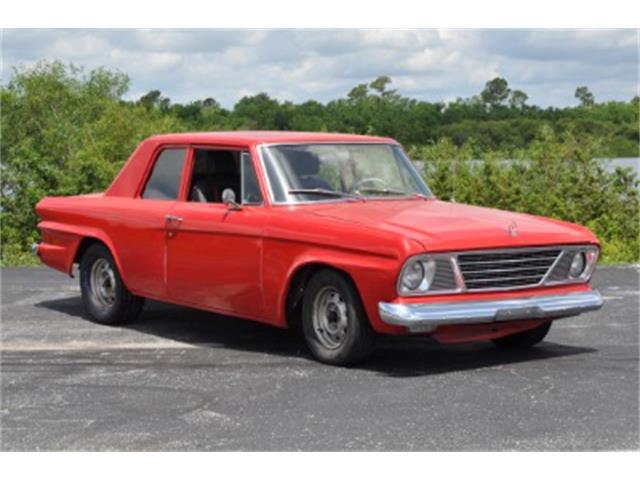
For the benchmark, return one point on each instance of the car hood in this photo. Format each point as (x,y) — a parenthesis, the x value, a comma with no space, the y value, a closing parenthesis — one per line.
(441,226)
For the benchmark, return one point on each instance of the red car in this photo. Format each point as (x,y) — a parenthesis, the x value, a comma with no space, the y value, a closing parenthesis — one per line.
(337,234)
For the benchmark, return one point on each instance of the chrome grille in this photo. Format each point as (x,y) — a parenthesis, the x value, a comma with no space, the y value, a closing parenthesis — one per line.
(506,269)
(444,279)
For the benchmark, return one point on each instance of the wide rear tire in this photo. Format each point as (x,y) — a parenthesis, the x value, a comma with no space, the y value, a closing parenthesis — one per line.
(104,294)
(334,323)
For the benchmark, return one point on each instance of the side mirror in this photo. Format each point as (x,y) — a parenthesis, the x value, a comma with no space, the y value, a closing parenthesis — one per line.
(229,199)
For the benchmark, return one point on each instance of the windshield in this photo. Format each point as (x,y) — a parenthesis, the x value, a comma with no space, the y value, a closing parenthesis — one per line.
(320,172)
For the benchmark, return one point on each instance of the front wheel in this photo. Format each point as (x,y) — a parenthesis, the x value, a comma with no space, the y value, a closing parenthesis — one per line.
(334,323)
(104,295)
(525,339)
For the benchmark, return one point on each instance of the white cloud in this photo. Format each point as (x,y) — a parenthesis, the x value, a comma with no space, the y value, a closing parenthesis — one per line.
(325,64)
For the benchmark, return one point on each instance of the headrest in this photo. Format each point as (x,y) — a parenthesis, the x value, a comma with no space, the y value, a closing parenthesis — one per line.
(304,163)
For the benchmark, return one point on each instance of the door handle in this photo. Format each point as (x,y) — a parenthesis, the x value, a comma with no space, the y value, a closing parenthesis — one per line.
(172,223)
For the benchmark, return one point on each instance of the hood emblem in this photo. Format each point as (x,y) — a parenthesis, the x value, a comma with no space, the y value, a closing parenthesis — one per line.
(513,229)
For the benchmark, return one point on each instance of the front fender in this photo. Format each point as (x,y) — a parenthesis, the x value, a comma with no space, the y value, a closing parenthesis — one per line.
(373,276)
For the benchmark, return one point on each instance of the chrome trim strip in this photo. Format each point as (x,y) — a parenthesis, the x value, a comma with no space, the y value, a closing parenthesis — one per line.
(35,247)
(428,316)
(516,249)
(457,274)
(514,260)
(501,279)
(553,265)
(505,270)
(326,142)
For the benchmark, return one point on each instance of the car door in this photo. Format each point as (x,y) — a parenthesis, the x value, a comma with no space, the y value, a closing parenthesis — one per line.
(140,223)
(214,253)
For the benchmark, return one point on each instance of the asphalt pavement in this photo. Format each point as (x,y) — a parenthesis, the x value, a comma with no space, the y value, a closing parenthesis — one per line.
(180,379)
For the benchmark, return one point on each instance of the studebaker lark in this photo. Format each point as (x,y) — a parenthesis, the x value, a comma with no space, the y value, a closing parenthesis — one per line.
(336,235)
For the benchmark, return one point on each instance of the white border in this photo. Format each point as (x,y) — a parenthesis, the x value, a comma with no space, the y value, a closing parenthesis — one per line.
(307,466)
(320,14)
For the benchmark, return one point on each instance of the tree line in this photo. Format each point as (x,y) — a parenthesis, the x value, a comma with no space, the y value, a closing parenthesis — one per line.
(497,118)
(65,131)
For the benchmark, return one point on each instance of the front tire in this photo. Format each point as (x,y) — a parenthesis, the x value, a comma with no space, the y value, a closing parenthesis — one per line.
(104,295)
(334,323)
(526,339)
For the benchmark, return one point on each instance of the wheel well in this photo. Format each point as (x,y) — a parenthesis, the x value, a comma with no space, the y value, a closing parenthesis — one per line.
(297,285)
(88,242)
(84,246)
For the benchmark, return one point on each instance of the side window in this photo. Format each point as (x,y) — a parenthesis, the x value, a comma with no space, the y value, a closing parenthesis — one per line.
(164,181)
(214,171)
(250,188)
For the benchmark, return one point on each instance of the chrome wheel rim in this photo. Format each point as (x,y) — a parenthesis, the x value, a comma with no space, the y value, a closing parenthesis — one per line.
(102,280)
(330,318)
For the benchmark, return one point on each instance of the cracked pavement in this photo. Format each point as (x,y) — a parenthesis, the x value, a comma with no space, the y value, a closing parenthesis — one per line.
(180,379)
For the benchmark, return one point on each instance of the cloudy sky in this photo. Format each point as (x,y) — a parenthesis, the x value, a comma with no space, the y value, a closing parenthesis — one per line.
(299,65)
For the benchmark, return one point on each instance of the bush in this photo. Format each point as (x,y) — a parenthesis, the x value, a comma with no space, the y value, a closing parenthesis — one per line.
(554,176)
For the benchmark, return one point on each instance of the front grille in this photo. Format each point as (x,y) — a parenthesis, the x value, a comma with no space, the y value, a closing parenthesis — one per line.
(506,269)
(444,279)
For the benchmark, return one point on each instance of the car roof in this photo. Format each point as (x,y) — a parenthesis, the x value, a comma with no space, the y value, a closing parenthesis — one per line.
(256,137)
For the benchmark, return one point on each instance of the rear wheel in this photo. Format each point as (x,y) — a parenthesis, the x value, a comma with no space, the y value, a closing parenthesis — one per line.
(334,323)
(525,339)
(104,295)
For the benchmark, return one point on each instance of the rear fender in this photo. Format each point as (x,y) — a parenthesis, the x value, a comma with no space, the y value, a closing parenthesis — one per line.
(60,243)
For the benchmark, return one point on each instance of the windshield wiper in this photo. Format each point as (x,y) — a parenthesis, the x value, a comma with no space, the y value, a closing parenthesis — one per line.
(383,191)
(323,192)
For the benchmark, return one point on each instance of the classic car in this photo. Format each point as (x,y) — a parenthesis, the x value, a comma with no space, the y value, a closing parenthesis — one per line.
(335,235)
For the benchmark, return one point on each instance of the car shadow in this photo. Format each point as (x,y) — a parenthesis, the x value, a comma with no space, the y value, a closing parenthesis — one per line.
(394,356)
(424,356)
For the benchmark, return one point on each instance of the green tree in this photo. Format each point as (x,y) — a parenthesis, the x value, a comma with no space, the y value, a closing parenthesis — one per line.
(380,86)
(518,99)
(211,103)
(151,99)
(260,112)
(585,96)
(359,92)
(496,92)
(309,117)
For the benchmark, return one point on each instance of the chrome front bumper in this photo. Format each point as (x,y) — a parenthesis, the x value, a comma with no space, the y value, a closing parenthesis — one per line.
(425,317)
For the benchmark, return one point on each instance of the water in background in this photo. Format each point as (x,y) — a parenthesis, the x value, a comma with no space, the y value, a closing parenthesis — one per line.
(610,163)
(633,163)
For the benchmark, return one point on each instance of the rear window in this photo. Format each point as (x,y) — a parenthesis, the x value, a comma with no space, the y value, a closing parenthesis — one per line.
(164,181)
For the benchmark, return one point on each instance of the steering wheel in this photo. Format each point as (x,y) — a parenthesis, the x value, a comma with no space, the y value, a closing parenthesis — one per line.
(356,186)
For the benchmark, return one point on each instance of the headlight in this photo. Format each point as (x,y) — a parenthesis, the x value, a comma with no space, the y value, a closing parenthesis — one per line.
(575,265)
(417,276)
(413,275)
(578,265)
